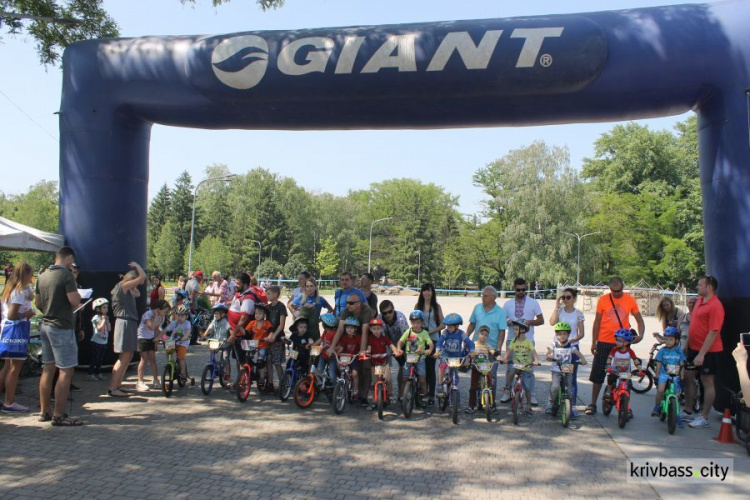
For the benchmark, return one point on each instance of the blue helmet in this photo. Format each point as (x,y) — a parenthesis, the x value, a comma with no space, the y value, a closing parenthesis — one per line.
(180,293)
(329,320)
(453,319)
(416,314)
(624,334)
(351,321)
(672,331)
(220,307)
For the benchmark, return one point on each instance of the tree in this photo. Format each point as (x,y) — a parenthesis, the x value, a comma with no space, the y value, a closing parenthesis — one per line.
(268,269)
(295,265)
(55,24)
(212,255)
(181,212)
(167,253)
(159,212)
(327,261)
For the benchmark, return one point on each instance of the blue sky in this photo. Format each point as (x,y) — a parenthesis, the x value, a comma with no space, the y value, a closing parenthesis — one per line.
(316,160)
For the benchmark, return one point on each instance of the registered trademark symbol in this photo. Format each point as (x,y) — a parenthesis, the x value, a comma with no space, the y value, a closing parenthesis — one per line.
(545,60)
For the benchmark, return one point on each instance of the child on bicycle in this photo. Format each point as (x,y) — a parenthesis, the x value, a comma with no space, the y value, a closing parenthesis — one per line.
(561,350)
(452,343)
(620,359)
(482,353)
(330,323)
(149,329)
(377,344)
(416,340)
(521,352)
(350,344)
(259,329)
(181,329)
(99,339)
(219,328)
(301,342)
(670,360)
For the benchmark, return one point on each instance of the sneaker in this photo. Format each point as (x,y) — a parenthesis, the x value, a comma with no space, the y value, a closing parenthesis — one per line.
(156,386)
(529,412)
(685,416)
(469,410)
(141,387)
(431,402)
(699,422)
(99,376)
(548,410)
(680,424)
(573,414)
(656,411)
(74,387)
(91,378)
(630,414)
(493,410)
(506,397)
(363,402)
(534,402)
(14,408)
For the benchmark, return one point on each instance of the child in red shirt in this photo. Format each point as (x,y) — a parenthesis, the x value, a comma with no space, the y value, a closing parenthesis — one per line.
(350,344)
(377,344)
(330,322)
(259,329)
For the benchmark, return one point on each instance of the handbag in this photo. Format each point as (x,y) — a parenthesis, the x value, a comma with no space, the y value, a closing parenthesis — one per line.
(632,330)
(14,340)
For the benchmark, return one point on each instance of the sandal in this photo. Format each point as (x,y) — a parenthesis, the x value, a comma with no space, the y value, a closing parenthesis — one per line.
(45,417)
(590,410)
(65,421)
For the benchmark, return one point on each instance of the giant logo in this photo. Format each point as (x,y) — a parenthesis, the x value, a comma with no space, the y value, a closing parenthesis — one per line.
(241,61)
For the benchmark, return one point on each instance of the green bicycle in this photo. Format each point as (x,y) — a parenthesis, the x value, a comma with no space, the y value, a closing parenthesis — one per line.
(172,370)
(563,401)
(670,405)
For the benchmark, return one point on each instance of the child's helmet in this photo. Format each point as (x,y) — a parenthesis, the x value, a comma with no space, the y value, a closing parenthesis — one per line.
(99,302)
(521,323)
(624,334)
(220,307)
(416,314)
(351,321)
(672,331)
(180,294)
(376,321)
(453,319)
(562,326)
(329,320)
(297,321)
(181,309)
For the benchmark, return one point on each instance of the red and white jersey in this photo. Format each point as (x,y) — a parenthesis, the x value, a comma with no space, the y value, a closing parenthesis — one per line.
(622,361)
(243,304)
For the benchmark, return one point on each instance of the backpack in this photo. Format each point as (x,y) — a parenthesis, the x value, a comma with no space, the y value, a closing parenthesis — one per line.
(259,294)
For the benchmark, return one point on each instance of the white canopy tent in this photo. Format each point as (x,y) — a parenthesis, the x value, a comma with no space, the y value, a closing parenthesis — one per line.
(15,236)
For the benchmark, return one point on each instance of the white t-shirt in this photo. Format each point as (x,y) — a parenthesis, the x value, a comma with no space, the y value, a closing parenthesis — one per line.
(20,297)
(572,318)
(180,332)
(561,354)
(143,330)
(531,309)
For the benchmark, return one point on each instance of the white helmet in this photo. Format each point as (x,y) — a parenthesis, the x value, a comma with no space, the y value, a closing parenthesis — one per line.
(99,302)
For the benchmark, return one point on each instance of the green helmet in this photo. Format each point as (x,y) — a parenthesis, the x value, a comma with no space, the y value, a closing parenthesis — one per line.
(562,326)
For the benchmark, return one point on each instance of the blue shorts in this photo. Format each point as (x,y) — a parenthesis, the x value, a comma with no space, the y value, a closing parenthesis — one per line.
(261,354)
(420,369)
(663,377)
(59,346)
(527,377)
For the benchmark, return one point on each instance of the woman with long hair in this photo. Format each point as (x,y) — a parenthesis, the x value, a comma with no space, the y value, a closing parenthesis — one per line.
(16,312)
(309,305)
(668,315)
(566,311)
(433,323)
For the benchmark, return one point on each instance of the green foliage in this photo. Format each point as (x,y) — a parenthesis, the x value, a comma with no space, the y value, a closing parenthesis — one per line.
(55,24)
(295,265)
(181,211)
(328,260)
(167,253)
(212,255)
(269,269)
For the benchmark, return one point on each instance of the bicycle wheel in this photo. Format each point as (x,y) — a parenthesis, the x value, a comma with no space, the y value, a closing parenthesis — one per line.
(207,380)
(225,372)
(304,392)
(514,407)
(181,381)
(622,414)
(339,397)
(642,385)
(443,402)
(672,412)
(487,402)
(244,382)
(455,399)
(380,398)
(407,402)
(698,403)
(167,382)
(565,411)
(286,386)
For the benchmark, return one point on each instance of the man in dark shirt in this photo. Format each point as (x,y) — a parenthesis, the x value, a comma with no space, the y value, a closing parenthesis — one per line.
(276,347)
(365,284)
(56,297)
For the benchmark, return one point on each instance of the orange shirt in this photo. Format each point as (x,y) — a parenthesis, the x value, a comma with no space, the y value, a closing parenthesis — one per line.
(626,305)
(259,330)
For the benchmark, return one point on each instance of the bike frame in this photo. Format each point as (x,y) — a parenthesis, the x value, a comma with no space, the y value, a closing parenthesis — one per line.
(621,387)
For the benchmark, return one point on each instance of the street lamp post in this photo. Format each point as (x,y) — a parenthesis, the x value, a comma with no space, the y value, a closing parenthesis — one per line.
(369,255)
(419,267)
(192,222)
(578,265)
(260,249)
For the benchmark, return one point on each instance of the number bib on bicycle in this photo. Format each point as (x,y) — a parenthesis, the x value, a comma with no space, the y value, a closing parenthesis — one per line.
(670,360)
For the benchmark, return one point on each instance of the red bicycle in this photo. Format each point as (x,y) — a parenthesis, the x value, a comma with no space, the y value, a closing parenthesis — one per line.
(380,391)
(245,370)
(620,398)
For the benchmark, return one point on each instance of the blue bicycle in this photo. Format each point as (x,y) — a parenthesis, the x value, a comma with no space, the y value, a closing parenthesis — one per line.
(292,374)
(219,365)
(450,395)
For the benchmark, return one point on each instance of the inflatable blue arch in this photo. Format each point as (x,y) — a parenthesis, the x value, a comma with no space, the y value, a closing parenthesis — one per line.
(602,66)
